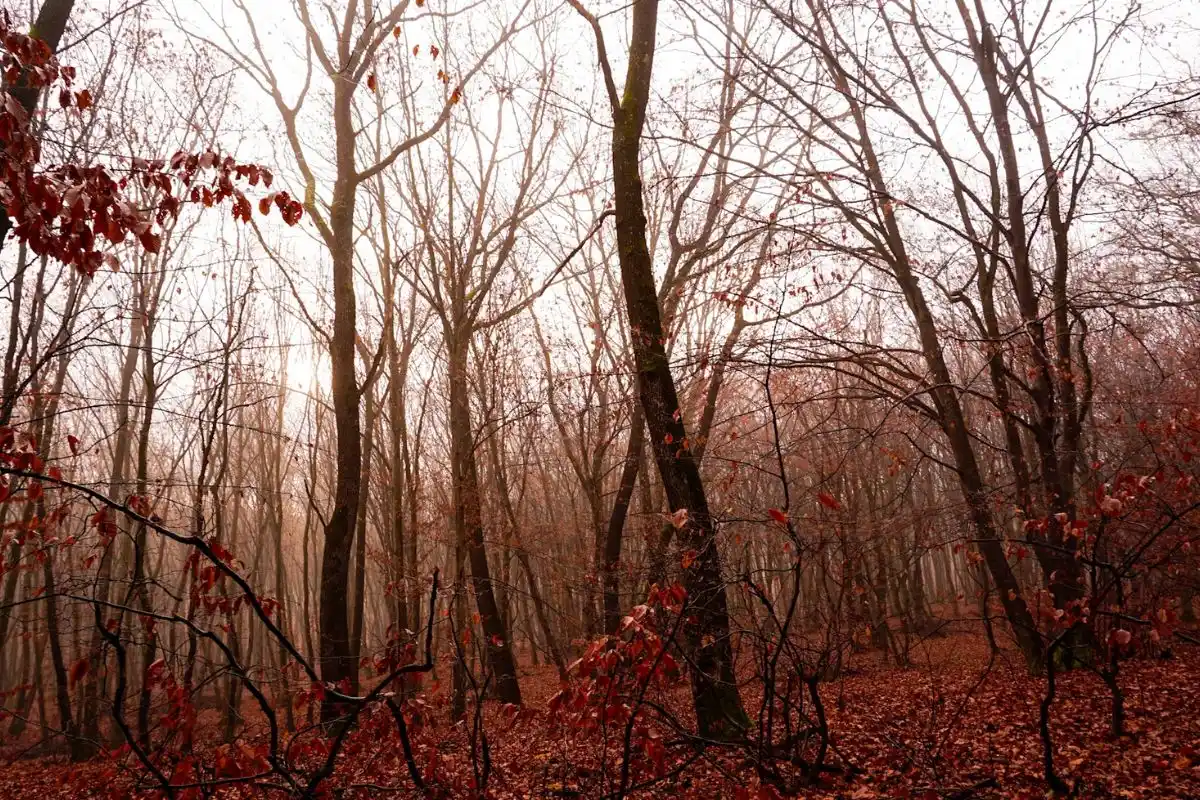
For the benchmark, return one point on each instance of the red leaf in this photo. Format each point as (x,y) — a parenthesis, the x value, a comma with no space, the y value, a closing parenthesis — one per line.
(292,212)
(78,670)
(779,516)
(679,519)
(829,501)
(372,83)
(151,241)
(73,443)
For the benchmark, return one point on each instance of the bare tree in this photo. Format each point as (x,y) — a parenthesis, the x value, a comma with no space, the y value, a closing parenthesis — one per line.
(346,56)
(719,709)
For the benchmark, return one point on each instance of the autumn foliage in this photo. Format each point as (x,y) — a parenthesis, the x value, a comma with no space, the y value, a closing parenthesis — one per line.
(72,213)
(787,434)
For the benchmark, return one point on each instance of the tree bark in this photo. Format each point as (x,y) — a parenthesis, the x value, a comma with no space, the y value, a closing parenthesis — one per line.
(360,541)
(338,666)
(469,521)
(943,392)
(719,710)
(614,536)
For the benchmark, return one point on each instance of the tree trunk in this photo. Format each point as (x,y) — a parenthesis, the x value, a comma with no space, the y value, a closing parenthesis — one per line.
(719,710)
(116,487)
(360,538)
(404,616)
(1062,570)
(946,401)
(282,694)
(616,520)
(469,520)
(338,666)
(139,586)
(535,594)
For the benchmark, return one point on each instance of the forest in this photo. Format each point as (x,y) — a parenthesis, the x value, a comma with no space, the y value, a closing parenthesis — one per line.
(599,399)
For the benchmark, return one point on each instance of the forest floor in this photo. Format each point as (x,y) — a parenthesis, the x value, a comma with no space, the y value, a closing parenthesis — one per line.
(958,724)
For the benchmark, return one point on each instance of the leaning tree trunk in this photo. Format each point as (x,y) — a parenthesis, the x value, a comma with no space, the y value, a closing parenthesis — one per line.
(944,394)
(1055,410)
(616,521)
(719,710)
(338,666)
(469,519)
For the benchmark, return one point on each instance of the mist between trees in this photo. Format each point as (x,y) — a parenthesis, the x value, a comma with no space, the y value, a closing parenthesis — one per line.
(539,399)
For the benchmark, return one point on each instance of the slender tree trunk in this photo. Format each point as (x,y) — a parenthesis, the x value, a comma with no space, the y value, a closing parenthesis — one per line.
(81,747)
(116,490)
(33,328)
(360,536)
(1063,571)
(535,594)
(139,587)
(24,695)
(497,644)
(62,695)
(946,401)
(306,552)
(338,666)
(616,520)
(399,433)
(282,693)
(719,710)
(412,481)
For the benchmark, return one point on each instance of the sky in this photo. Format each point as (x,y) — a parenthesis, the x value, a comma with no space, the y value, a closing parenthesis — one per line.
(203,34)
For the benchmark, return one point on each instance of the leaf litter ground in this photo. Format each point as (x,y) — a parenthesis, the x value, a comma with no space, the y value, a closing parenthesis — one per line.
(957,724)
